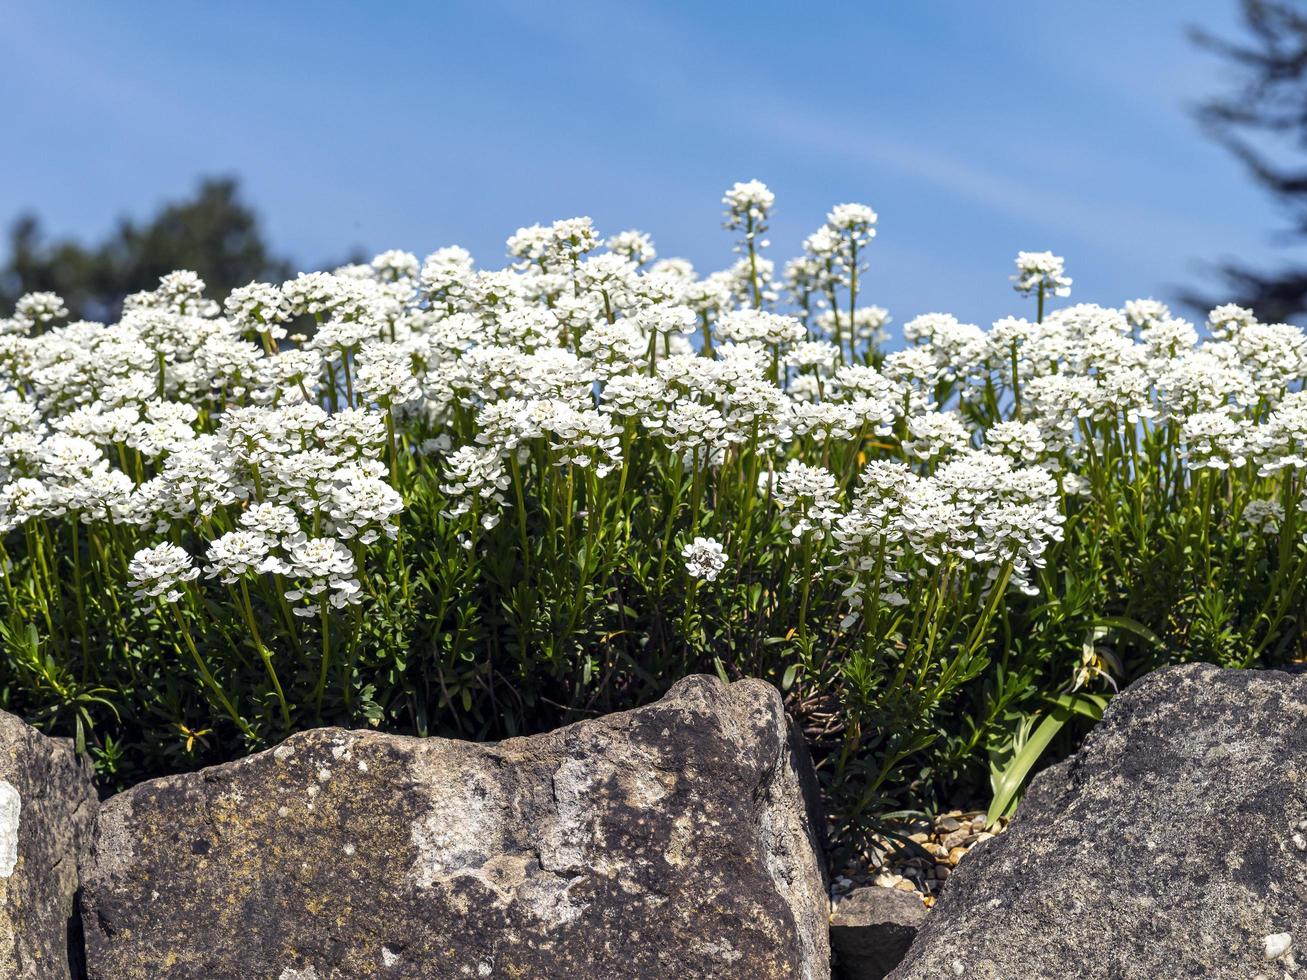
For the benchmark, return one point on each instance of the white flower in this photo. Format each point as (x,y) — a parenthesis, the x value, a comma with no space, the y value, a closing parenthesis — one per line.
(808,494)
(270,520)
(817,354)
(444,272)
(395,264)
(1021,441)
(384,374)
(181,291)
(703,558)
(1263,516)
(1229,320)
(238,553)
(935,434)
(760,327)
(315,293)
(159,572)
(1213,440)
(475,475)
(748,202)
(633,245)
(857,219)
(869,323)
(1281,441)
(26,499)
(1041,270)
(260,307)
(39,309)
(1144,312)
(321,565)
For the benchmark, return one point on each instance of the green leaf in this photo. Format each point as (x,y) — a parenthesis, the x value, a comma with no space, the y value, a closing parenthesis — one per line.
(1130,626)
(1009,781)
(1091,706)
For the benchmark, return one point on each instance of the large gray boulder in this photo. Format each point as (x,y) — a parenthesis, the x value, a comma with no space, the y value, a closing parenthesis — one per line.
(672,841)
(47,815)
(1173,844)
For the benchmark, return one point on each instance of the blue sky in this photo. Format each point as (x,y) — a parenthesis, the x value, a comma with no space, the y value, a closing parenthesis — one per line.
(974,129)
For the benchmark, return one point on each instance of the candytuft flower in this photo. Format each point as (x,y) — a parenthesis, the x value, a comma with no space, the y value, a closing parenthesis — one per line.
(1043,272)
(703,558)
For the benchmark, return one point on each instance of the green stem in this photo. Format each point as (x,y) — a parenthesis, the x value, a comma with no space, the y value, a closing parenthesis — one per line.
(207,674)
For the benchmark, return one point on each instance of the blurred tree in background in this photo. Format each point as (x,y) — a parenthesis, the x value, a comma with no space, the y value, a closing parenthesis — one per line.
(212,233)
(1263,121)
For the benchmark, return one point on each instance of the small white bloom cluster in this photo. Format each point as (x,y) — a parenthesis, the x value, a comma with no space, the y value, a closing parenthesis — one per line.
(1041,271)
(703,558)
(161,572)
(748,205)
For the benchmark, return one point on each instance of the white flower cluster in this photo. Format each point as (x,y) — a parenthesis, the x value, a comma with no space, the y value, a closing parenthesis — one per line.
(1041,271)
(194,422)
(703,558)
(975,508)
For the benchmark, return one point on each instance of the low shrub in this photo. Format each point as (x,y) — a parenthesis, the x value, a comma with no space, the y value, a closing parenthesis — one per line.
(440,500)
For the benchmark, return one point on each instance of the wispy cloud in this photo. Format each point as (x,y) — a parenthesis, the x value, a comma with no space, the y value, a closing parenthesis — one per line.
(1106,224)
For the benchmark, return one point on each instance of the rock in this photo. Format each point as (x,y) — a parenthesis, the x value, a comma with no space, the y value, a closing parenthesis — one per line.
(871,929)
(956,839)
(1163,848)
(47,816)
(675,840)
(1273,947)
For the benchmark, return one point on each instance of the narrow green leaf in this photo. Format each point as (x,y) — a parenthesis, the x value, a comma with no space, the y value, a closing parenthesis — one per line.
(1014,774)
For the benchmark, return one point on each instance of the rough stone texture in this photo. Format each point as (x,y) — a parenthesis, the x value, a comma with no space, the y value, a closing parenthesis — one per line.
(672,841)
(47,816)
(1169,846)
(871,930)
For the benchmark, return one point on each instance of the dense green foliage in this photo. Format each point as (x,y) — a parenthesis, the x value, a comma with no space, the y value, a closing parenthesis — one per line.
(481,504)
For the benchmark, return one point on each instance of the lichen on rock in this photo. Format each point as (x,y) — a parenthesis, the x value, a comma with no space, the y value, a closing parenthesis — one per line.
(675,840)
(47,815)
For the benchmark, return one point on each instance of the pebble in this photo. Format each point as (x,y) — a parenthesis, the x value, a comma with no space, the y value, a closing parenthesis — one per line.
(1276,945)
(924,866)
(956,839)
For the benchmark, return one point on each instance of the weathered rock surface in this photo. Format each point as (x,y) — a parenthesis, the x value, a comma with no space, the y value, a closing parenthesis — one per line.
(871,930)
(47,816)
(1174,844)
(672,841)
